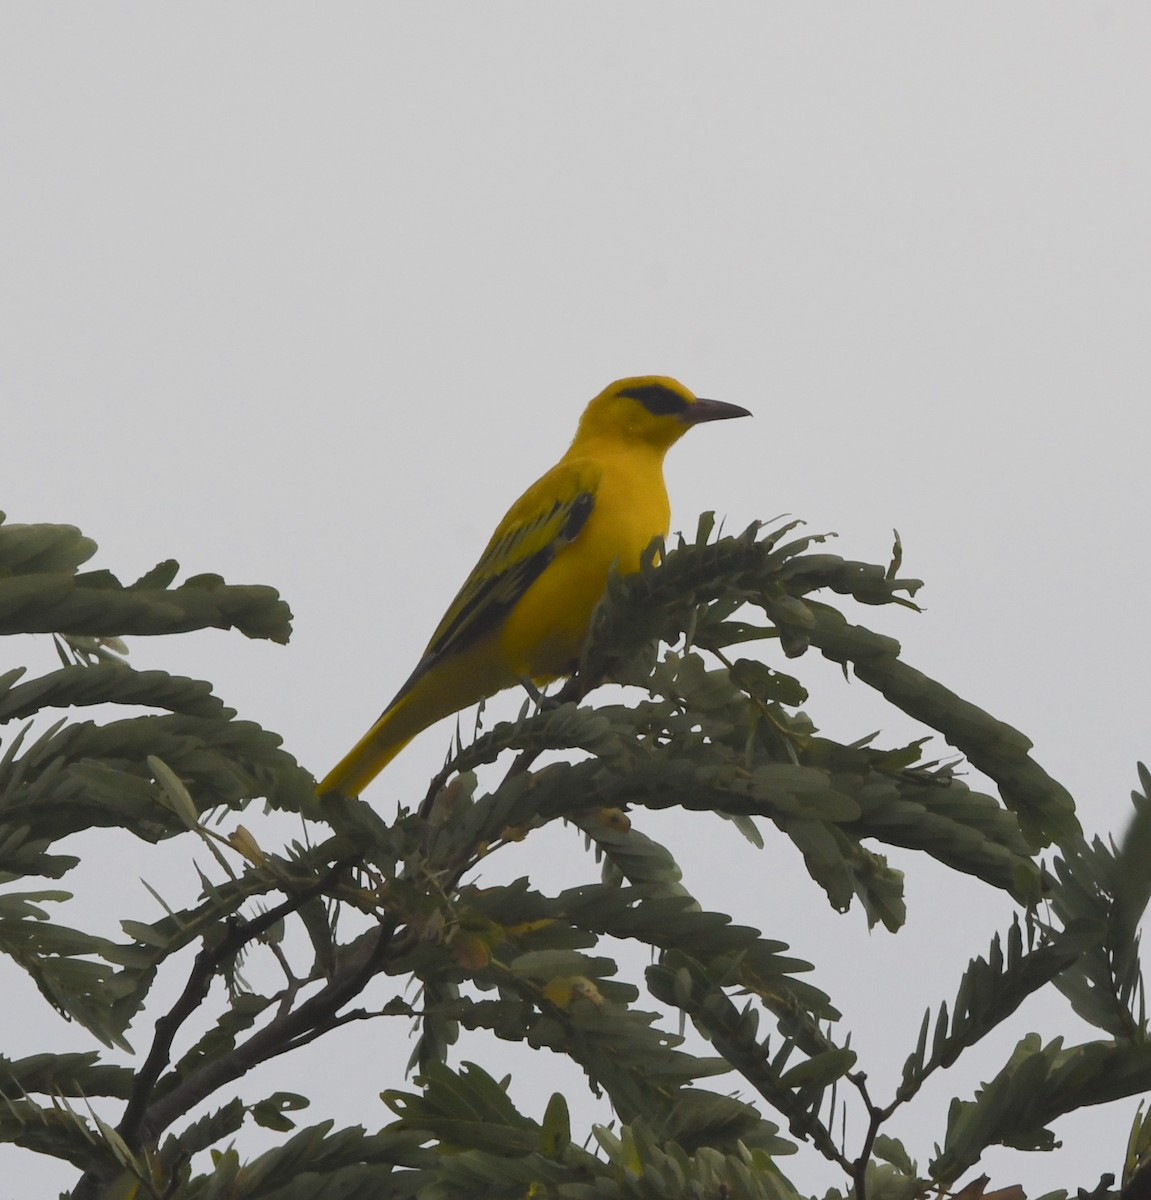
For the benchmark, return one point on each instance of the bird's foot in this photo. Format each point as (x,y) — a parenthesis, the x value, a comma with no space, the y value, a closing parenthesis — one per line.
(542,701)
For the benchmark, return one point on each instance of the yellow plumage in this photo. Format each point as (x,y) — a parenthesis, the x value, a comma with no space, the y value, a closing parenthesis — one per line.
(524,611)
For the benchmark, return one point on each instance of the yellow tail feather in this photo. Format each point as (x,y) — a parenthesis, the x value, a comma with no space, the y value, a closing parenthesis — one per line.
(367,758)
(448,687)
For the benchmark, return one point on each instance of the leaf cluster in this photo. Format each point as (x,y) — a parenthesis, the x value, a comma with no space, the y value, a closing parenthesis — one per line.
(711,723)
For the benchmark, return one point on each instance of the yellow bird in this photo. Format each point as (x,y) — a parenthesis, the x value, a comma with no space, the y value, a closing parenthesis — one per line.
(523,612)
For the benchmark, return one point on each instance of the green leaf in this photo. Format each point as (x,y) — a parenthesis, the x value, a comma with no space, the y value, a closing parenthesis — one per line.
(174,791)
(1038,1084)
(822,1071)
(555,1135)
(548,964)
(40,592)
(465,1109)
(270,1113)
(990,990)
(39,549)
(892,1150)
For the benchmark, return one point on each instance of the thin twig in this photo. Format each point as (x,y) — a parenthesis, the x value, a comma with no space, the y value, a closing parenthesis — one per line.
(204,969)
(315,1016)
(875,1118)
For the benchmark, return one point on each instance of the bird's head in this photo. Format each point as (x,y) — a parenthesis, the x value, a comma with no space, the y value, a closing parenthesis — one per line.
(649,408)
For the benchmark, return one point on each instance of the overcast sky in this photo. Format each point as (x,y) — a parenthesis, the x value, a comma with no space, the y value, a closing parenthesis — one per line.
(306,295)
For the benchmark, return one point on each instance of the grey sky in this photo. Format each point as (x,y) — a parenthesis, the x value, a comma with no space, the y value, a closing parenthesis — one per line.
(307,294)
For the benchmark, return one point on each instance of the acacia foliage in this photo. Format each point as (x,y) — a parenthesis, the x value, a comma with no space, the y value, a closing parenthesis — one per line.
(705,727)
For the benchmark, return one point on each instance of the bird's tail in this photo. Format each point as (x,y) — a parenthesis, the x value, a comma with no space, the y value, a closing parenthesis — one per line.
(372,753)
(428,697)
(435,694)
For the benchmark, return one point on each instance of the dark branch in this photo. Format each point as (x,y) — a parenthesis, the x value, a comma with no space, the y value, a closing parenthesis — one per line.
(315,1016)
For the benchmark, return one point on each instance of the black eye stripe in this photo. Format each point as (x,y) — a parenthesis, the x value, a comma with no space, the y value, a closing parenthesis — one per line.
(659,400)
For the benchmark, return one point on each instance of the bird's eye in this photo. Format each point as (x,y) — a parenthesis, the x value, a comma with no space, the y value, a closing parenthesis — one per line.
(658,399)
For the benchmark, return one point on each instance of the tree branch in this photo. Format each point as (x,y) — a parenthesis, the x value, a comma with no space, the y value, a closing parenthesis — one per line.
(204,970)
(315,1016)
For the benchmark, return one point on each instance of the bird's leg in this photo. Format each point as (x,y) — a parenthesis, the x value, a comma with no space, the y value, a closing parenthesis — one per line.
(538,698)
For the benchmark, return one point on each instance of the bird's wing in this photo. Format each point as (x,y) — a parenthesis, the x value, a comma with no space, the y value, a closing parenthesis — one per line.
(545,519)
